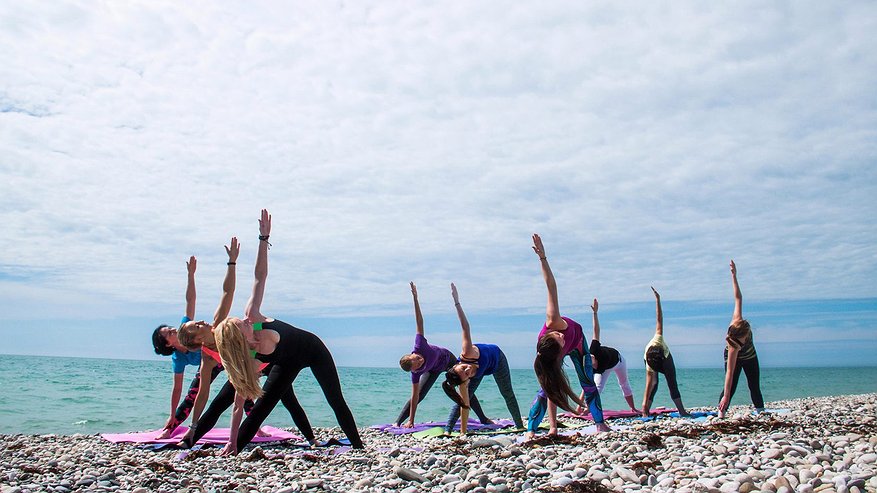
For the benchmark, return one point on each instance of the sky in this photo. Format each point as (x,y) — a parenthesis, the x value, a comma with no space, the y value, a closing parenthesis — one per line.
(392,141)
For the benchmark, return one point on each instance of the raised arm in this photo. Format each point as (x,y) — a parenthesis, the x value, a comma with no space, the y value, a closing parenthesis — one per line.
(659,315)
(191,265)
(417,315)
(552,310)
(468,348)
(738,296)
(254,305)
(596,321)
(233,249)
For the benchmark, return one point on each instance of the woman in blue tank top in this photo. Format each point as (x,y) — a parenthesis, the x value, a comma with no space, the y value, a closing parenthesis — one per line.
(476,362)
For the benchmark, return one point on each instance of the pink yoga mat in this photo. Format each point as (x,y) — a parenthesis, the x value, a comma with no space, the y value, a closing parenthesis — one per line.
(216,436)
(610,414)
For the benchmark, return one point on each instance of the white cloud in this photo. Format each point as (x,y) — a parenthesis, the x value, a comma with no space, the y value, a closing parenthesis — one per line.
(393,142)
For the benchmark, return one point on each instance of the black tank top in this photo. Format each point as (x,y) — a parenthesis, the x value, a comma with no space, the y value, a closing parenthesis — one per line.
(295,345)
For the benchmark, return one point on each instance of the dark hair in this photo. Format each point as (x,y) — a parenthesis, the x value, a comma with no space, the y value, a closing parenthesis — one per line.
(159,342)
(451,381)
(738,332)
(655,358)
(405,362)
(549,371)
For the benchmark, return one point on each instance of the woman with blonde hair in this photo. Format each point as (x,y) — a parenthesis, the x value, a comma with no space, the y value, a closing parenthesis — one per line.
(244,343)
(740,355)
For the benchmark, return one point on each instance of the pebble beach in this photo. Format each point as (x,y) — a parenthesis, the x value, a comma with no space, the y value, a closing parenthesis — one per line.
(826,444)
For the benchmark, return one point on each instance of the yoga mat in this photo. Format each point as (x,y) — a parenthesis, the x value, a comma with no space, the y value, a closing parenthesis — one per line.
(474,425)
(215,436)
(616,414)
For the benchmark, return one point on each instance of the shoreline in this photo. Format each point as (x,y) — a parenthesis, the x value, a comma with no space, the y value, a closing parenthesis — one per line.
(822,444)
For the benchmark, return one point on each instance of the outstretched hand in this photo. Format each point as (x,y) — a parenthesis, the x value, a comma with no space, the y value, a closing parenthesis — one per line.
(233,249)
(657,296)
(192,264)
(265,223)
(413,289)
(594,306)
(538,247)
(733,269)
(454,294)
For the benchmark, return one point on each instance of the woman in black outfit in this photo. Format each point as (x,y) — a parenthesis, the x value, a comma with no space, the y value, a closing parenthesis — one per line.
(244,343)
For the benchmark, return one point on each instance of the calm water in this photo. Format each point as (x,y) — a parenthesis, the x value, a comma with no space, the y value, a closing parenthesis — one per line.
(80,395)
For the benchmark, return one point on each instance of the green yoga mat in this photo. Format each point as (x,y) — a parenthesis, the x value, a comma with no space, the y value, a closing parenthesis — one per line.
(438,431)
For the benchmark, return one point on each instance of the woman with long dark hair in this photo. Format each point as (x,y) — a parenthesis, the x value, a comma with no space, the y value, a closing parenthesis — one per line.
(476,362)
(559,337)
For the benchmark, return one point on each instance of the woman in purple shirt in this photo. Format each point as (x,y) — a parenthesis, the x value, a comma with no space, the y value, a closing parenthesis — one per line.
(425,363)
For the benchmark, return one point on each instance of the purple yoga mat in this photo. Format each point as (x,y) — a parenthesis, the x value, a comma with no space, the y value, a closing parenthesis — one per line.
(474,425)
(215,436)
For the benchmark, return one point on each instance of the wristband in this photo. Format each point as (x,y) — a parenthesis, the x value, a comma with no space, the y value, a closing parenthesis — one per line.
(231,263)
(265,239)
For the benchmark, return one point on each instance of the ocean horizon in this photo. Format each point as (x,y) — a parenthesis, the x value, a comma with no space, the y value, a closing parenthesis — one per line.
(99,395)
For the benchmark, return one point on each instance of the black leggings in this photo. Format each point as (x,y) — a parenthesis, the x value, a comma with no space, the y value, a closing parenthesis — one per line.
(185,406)
(750,366)
(669,371)
(225,398)
(280,378)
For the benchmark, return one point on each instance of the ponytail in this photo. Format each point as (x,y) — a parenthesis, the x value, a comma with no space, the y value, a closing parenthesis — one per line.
(449,386)
(235,354)
(549,372)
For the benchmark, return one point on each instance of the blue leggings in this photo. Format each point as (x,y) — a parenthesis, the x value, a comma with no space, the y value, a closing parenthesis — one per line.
(581,360)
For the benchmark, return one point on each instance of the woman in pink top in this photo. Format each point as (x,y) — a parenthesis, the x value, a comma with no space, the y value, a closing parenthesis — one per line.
(559,337)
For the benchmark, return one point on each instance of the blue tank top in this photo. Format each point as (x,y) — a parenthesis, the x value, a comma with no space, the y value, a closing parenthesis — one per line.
(488,359)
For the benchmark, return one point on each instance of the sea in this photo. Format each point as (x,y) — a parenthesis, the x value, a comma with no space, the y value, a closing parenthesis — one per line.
(44,395)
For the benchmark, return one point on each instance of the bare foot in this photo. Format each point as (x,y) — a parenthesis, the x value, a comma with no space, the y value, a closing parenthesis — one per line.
(262,433)
(164,434)
(603,428)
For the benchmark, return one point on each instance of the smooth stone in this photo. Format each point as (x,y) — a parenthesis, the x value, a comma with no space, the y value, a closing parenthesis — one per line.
(564,481)
(464,486)
(410,489)
(484,442)
(597,475)
(804,488)
(312,483)
(747,488)
(867,459)
(782,482)
(451,478)
(771,454)
(626,474)
(409,475)
(730,487)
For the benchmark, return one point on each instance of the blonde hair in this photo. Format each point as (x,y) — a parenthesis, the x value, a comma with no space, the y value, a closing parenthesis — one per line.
(235,354)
